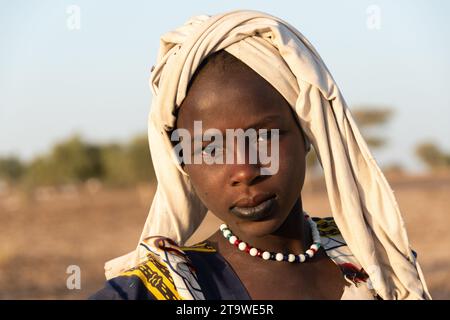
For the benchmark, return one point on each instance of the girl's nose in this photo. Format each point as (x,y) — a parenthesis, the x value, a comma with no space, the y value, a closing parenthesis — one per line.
(244,174)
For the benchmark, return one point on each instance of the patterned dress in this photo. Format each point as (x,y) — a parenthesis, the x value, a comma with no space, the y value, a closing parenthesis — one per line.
(169,272)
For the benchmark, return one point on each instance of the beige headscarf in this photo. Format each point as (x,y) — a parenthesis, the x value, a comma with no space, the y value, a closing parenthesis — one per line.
(362,203)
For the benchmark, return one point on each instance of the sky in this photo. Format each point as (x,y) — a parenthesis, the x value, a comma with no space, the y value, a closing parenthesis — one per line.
(60,75)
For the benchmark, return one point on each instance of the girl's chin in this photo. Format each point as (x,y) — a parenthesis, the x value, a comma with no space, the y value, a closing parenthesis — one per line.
(259,228)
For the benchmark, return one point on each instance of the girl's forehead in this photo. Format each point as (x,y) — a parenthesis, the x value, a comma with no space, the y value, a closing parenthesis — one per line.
(235,112)
(237,98)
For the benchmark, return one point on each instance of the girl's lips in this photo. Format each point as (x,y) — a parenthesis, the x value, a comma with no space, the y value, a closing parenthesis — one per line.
(256,212)
(252,201)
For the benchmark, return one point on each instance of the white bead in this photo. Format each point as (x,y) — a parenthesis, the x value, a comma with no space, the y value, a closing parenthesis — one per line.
(279,257)
(226,233)
(291,258)
(232,239)
(266,255)
(223,226)
(315,247)
(310,253)
(253,252)
(242,246)
(302,257)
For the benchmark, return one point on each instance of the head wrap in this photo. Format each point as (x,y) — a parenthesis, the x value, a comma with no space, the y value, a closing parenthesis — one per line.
(362,202)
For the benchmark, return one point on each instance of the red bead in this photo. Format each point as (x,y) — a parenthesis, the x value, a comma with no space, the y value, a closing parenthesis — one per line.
(314,250)
(259,254)
(247,248)
(236,243)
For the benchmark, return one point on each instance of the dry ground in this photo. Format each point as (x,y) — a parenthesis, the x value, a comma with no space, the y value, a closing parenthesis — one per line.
(41,236)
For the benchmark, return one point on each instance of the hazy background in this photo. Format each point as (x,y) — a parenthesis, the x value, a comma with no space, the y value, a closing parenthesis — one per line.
(94,80)
(76,179)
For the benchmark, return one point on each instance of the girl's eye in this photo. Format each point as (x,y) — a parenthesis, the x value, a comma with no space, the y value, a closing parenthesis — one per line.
(264,136)
(269,135)
(210,150)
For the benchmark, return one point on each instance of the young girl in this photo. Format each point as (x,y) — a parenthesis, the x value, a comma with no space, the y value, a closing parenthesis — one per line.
(248,70)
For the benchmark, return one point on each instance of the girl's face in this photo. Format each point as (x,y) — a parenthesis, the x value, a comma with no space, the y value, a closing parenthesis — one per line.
(238,98)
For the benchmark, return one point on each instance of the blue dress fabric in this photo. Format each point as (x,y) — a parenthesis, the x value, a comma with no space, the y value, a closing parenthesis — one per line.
(215,276)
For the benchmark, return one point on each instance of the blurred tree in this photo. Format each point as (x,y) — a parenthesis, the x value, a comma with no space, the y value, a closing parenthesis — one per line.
(70,161)
(11,169)
(39,172)
(128,164)
(75,161)
(115,165)
(432,156)
(370,117)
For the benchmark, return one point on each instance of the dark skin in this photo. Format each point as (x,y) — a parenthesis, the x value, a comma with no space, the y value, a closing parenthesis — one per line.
(240,98)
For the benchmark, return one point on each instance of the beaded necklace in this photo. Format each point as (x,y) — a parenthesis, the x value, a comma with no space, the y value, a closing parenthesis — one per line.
(268,255)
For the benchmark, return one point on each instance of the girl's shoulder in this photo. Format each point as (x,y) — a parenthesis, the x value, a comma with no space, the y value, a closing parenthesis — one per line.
(163,273)
(337,250)
(333,243)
